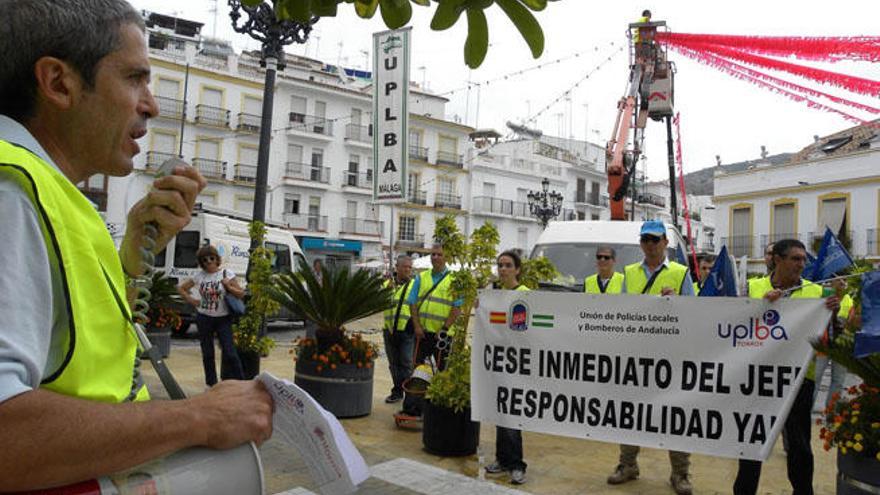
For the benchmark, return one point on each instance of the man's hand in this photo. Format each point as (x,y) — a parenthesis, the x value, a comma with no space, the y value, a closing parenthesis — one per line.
(417,329)
(667,291)
(833,303)
(234,412)
(773,295)
(169,205)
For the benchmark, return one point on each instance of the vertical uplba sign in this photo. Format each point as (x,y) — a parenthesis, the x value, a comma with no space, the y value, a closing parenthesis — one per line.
(390,115)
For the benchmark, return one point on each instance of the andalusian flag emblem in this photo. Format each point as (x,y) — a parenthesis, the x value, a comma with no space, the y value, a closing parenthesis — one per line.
(545,321)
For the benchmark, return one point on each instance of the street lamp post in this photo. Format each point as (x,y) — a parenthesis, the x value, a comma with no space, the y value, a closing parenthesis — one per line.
(545,204)
(263,26)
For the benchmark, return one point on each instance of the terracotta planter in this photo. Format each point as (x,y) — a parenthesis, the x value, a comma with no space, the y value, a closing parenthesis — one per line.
(347,391)
(857,474)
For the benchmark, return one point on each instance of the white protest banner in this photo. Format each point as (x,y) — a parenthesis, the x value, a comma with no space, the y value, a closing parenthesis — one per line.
(390,115)
(707,375)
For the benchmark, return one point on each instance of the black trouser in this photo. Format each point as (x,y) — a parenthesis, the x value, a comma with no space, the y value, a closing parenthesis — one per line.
(798,428)
(509,449)
(222,326)
(399,350)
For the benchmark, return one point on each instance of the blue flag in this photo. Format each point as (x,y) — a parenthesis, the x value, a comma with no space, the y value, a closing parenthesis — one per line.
(832,258)
(868,339)
(722,278)
(680,256)
(809,266)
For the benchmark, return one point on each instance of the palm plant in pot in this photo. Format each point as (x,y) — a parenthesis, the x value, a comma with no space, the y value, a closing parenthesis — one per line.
(163,316)
(335,367)
(851,423)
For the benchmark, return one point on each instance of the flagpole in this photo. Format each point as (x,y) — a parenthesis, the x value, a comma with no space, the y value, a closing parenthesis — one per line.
(786,291)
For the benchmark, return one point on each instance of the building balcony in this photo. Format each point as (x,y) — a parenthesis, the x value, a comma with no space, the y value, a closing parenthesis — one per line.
(450,159)
(444,200)
(170,108)
(155,159)
(363,180)
(361,133)
(210,169)
(417,197)
(741,245)
(596,200)
(212,116)
(873,244)
(307,172)
(410,240)
(248,122)
(651,199)
(310,124)
(418,153)
(361,226)
(245,173)
(309,223)
(489,204)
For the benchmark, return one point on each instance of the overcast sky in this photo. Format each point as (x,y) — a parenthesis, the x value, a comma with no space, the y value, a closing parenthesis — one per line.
(719,115)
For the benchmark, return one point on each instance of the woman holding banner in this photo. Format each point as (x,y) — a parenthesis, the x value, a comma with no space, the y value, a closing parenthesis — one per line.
(508,441)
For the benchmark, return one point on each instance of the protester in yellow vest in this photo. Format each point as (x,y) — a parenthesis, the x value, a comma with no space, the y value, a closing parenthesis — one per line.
(397,335)
(432,307)
(636,34)
(605,280)
(74,98)
(508,441)
(705,266)
(789,258)
(657,276)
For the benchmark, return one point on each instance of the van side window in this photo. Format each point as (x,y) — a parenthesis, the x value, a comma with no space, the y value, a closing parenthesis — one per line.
(160,258)
(187,244)
(281,256)
(300,259)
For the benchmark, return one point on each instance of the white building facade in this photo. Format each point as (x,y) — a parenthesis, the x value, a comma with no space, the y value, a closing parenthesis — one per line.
(833,183)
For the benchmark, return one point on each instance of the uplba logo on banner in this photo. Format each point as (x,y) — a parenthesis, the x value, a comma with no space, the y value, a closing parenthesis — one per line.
(754,333)
(518,317)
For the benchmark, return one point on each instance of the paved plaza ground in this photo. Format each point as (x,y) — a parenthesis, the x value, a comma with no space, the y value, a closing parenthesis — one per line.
(557,465)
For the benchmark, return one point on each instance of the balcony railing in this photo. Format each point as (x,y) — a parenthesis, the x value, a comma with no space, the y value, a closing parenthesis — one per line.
(214,116)
(450,158)
(361,226)
(521,209)
(651,199)
(245,172)
(356,132)
(155,159)
(357,179)
(445,200)
(740,245)
(310,123)
(311,223)
(170,108)
(872,245)
(418,197)
(418,153)
(488,204)
(594,199)
(305,171)
(248,122)
(212,169)
(410,239)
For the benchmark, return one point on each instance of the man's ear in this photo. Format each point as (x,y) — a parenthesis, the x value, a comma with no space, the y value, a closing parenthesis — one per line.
(58,84)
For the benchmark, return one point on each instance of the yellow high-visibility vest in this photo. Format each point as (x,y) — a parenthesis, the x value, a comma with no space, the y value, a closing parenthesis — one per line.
(399,292)
(436,308)
(615,284)
(100,348)
(671,275)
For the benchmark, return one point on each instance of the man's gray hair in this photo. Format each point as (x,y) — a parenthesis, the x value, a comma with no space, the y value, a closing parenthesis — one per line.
(79,32)
(404,257)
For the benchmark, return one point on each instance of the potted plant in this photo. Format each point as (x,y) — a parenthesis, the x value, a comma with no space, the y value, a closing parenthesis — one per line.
(851,423)
(248,333)
(162,317)
(448,429)
(335,367)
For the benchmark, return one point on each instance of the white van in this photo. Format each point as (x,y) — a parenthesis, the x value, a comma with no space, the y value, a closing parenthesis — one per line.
(228,232)
(571,246)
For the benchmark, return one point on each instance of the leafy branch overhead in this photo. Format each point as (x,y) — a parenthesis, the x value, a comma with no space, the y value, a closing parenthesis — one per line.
(397,13)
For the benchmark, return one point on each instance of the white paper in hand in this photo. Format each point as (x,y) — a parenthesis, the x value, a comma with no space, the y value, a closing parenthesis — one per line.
(333,461)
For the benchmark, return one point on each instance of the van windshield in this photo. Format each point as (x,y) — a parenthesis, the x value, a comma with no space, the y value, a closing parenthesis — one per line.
(575,262)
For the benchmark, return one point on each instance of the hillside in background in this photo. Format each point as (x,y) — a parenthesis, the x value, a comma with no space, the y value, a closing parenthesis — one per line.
(700,183)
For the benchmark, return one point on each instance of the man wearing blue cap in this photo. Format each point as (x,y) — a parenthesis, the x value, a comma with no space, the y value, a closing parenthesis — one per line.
(658,276)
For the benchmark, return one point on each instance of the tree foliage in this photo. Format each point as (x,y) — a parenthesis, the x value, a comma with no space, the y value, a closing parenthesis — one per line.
(397,13)
(248,331)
